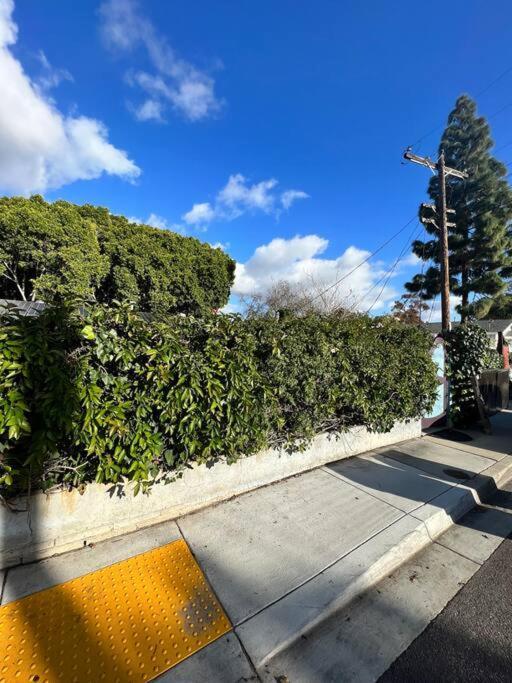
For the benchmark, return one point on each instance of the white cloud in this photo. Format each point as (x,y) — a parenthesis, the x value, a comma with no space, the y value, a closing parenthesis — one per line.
(40,148)
(238,197)
(149,110)
(8,29)
(199,214)
(433,314)
(156,221)
(224,246)
(410,260)
(51,77)
(299,262)
(176,83)
(290,196)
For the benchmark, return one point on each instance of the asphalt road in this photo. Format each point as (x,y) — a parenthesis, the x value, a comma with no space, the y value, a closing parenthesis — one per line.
(471,639)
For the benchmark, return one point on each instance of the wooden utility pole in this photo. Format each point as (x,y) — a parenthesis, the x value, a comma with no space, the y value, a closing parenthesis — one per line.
(443,239)
(441,212)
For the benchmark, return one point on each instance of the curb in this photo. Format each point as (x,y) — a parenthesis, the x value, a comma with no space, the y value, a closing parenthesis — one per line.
(67,520)
(280,625)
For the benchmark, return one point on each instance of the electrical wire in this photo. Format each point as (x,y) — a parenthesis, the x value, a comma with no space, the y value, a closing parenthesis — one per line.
(432,308)
(376,251)
(415,233)
(478,94)
(424,235)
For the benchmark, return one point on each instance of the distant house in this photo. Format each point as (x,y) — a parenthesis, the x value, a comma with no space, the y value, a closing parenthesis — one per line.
(498,331)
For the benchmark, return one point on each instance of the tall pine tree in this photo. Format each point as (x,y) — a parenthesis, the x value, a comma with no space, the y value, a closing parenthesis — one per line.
(480,244)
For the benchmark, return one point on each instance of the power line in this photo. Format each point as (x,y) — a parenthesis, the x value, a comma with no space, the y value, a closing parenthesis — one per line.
(488,87)
(478,94)
(377,282)
(397,261)
(489,118)
(376,251)
(432,308)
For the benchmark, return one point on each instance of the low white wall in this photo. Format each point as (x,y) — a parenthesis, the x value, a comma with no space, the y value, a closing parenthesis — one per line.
(64,520)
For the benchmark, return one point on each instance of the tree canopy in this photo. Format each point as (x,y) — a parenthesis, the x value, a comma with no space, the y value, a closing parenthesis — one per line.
(480,244)
(408,309)
(50,251)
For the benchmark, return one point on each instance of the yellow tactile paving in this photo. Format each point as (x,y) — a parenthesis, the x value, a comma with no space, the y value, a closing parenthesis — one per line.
(128,622)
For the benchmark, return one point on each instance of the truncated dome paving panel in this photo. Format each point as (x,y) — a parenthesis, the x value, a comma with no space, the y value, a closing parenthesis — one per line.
(128,622)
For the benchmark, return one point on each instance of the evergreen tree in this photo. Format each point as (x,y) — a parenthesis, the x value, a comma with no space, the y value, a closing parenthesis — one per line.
(501,308)
(480,244)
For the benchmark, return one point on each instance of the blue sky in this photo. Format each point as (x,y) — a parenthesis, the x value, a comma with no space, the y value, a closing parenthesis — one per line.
(152,109)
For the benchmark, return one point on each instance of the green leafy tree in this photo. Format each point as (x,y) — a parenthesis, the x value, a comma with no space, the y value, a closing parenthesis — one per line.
(159,270)
(51,251)
(480,242)
(408,309)
(47,251)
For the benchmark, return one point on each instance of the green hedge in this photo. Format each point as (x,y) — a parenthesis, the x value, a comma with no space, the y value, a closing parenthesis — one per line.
(52,251)
(105,395)
(468,352)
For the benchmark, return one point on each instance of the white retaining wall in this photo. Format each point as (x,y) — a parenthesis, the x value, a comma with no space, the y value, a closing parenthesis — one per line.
(64,520)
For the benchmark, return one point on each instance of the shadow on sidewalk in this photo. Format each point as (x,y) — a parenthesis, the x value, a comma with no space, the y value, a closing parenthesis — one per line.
(402,478)
(82,644)
(52,634)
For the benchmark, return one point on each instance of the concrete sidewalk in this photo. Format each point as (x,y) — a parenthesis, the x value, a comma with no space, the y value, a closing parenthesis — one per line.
(286,557)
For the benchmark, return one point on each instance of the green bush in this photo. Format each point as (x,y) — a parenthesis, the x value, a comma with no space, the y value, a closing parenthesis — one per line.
(332,373)
(492,360)
(54,251)
(102,394)
(467,348)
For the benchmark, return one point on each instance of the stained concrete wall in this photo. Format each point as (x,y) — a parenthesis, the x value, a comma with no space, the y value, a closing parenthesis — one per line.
(63,520)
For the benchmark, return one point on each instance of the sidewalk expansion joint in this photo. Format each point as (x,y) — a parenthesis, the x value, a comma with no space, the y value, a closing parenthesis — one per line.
(465,557)
(347,480)
(328,470)
(247,656)
(321,571)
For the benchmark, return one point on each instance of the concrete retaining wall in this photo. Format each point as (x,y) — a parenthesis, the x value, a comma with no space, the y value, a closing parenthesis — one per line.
(62,520)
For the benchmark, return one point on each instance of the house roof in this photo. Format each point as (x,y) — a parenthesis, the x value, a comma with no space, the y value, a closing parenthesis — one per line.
(25,307)
(33,308)
(490,326)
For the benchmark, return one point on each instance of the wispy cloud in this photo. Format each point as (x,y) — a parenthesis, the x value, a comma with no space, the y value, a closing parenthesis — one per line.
(149,110)
(238,197)
(175,83)
(50,76)
(41,148)
(291,196)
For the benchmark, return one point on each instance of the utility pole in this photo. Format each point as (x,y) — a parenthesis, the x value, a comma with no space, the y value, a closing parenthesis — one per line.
(441,212)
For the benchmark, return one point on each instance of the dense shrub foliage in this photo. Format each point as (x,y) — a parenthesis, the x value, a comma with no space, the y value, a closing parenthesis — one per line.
(492,360)
(52,251)
(467,349)
(104,395)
